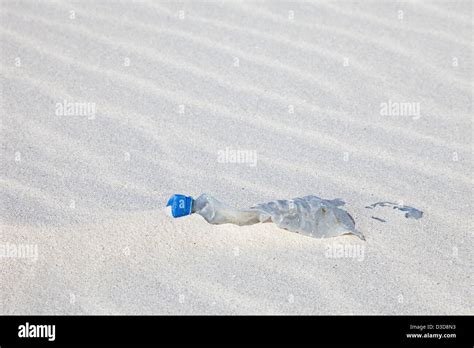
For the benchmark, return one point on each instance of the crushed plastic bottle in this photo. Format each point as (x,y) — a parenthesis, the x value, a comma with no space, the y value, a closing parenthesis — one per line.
(309,215)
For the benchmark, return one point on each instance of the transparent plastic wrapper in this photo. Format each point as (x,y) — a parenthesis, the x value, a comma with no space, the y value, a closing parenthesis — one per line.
(309,215)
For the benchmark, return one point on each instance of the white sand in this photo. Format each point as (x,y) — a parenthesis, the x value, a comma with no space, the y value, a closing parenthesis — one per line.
(305,94)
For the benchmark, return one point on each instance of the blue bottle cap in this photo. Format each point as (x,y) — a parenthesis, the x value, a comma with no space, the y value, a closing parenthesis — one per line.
(181,205)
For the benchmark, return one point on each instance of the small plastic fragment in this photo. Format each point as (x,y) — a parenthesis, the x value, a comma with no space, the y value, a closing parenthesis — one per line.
(410,212)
